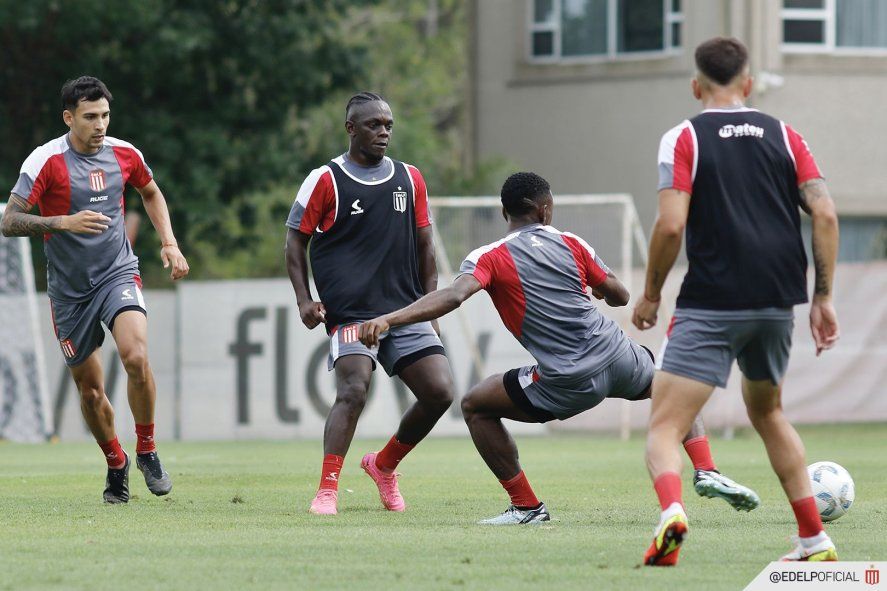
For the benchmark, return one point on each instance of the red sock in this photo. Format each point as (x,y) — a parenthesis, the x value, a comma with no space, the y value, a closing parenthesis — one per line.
(332,468)
(145,439)
(668,489)
(518,488)
(391,455)
(700,453)
(809,521)
(114,454)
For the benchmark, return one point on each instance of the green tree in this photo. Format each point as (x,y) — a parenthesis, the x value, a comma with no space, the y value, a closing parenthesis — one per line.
(207,90)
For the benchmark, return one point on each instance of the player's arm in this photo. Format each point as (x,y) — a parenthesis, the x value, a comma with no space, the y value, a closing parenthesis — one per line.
(17,221)
(155,207)
(427,264)
(612,291)
(816,201)
(311,312)
(428,307)
(665,245)
(427,260)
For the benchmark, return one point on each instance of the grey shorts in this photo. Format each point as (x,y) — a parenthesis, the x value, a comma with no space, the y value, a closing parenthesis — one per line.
(78,325)
(554,397)
(398,348)
(702,344)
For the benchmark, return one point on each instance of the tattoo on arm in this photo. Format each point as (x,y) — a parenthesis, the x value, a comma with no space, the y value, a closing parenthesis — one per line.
(821,285)
(18,222)
(816,201)
(811,192)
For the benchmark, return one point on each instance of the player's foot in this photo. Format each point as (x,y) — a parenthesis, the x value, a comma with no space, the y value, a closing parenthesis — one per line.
(822,551)
(156,477)
(516,516)
(117,484)
(668,537)
(325,502)
(387,483)
(711,484)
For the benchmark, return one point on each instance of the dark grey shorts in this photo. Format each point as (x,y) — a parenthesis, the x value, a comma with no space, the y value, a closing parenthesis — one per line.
(553,397)
(702,344)
(78,325)
(398,348)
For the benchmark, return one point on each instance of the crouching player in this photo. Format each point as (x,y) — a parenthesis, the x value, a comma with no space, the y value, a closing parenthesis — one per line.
(537,278)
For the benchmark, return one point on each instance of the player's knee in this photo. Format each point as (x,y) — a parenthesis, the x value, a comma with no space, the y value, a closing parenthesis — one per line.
(92,395)
(353,395)
(761,414)
(439,396)
(135,361)
(470,406)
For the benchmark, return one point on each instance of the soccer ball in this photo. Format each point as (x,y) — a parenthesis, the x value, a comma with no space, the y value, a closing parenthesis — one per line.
(832,488)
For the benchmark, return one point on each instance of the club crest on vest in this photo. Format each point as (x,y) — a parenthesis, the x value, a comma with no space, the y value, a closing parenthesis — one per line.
(400,200)
(97,180)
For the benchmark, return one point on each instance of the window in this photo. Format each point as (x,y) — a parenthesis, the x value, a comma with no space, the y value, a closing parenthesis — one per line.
(603,29)
(839,26)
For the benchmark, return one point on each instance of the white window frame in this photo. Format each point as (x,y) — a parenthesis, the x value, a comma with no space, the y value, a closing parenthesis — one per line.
(554,27)
(828,16)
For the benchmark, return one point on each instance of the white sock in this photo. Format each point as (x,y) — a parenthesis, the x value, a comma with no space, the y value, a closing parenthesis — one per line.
(815,540)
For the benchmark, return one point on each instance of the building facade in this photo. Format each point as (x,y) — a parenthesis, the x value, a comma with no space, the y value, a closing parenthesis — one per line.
(581,91)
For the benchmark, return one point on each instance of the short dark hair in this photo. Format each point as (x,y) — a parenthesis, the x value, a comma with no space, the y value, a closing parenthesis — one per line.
(361,98)
(521,192)
(85,88)
(721,59)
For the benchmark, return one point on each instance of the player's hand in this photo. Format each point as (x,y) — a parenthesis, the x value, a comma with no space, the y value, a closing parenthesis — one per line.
(371,330)
(824,324)
(312,314)
(173,257)
(645,313)
(86,222)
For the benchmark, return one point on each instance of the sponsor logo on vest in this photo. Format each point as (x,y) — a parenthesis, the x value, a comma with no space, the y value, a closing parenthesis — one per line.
(97,180)
(535,241)
(400,200)
(127,295)
(744,130)
(356,208)
(98,199)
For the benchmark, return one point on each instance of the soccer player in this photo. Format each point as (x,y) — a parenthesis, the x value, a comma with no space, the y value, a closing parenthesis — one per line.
(735,178)
(78,181)
(367,221)
(537,278)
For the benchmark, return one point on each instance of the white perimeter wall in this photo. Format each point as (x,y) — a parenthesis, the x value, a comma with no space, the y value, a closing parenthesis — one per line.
(249,369)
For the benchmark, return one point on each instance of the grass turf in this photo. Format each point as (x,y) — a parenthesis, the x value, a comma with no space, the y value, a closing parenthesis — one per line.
(237,518)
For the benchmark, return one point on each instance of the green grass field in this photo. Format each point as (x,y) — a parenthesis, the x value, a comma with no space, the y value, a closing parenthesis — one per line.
(238,519)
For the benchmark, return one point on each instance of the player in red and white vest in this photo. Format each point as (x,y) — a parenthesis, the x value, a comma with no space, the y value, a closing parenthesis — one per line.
(736,179)
(78,182)
(367,220)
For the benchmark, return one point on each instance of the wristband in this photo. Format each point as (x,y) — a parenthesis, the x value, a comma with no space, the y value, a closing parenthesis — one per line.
(169,244)
(651,300)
